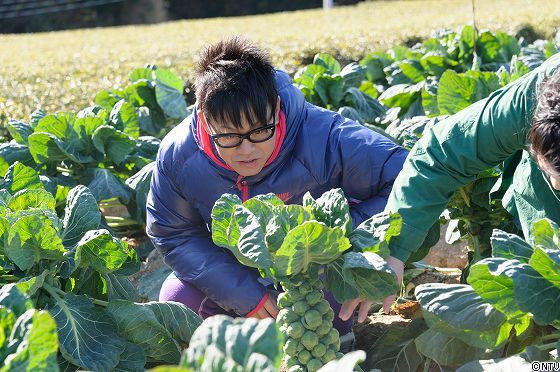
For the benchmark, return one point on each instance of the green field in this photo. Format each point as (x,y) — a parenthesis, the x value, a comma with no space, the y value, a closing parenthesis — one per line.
(64,70)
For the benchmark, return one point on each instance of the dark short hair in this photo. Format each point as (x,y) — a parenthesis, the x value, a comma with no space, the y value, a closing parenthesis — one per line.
(545,129)
(234,80)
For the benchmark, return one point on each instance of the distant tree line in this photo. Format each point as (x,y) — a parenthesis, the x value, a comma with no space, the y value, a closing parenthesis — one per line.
(23,16)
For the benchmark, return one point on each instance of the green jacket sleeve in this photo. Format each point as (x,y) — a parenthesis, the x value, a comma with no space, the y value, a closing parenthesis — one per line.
(453,152)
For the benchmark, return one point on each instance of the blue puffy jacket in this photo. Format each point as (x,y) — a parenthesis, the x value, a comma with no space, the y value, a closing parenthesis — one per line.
(321,150)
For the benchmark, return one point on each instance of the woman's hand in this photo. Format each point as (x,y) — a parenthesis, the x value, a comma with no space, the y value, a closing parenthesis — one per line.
(348,307)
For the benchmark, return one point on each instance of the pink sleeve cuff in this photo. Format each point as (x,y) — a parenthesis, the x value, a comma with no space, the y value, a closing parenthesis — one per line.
(259,306)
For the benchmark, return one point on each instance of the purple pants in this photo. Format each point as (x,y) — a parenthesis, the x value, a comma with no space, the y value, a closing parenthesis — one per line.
(175,289)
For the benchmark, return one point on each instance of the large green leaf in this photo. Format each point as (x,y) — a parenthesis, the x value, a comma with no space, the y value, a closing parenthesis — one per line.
(139,183)
(35,336)
(342,287)
(138,324)
(369,275)
(457,91)
(306,76)
(80,215)
(113,143)
(12,152)
(11,297)
(263,210)
(353,74)
(368,108)
(7,321)
(402,95)
(331,208)
(395,350)
(19,177)
(492,279)
(310,242)
(375,233)
(46,147)
(222,343)
(459,306)
(87,334)
(63,137)
(225,232)
(536,295)
(101,251)
(147,146)
(375,64)
(151,121)
(436,64)
(458,311)
(31,285)
(510,246)
(131,359)
(169,94)
(546,262)
(36,116)
(178,319)
(124,118)
(330,90)
(372,276)
(251,248)
(104,185)
(284,220)
(327,61)
(446,350)
(413,70)
(546,234)
(33,238)
(119,287)
(32,198)
(19,131)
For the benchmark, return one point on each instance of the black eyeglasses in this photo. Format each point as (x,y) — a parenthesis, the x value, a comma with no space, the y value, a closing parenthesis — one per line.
(257,135)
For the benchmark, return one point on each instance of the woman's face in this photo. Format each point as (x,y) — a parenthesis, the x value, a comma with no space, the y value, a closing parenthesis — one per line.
(249,158)
(550,173)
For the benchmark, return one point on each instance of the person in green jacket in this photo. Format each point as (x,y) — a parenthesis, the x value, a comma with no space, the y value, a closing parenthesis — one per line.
(518,125)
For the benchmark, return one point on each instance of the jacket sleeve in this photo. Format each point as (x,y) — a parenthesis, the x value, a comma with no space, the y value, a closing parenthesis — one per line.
(369,163)
(179,233)
(452,153)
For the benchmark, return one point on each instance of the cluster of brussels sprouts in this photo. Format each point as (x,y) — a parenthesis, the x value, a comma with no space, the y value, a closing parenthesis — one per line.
(306,319)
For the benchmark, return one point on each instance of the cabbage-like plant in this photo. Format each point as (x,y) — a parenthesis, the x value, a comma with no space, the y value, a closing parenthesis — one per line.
(294,244)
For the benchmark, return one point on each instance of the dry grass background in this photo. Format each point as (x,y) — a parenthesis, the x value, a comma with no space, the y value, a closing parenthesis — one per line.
(62,71)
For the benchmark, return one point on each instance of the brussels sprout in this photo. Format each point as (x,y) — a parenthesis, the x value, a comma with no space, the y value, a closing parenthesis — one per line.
(295,330)
(286,316)
(319,350)
(313,318)
(332,337)
(291,361)
(305,288)
(323,307)
(329,355)
(314,365)
(328,316)
(290,347)
(304,357)
(323,329)
(314,297)
(300,307)
(309,340)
